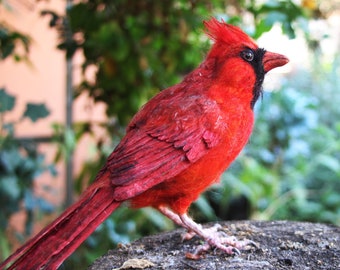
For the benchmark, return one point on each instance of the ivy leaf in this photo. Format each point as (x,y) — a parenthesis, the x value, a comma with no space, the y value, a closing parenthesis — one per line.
(9,188)
(6,101)
(36,111)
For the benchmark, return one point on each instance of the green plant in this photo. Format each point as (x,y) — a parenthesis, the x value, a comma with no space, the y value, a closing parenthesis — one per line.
(20,164)
(10,40)
(136,48)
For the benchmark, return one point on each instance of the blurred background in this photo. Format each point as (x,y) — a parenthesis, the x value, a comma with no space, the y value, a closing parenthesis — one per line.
(73,73)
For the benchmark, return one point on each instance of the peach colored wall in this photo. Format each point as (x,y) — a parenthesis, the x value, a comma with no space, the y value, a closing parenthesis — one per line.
(44,81)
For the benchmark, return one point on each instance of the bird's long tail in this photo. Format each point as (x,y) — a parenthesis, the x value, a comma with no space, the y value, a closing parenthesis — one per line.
(49,248)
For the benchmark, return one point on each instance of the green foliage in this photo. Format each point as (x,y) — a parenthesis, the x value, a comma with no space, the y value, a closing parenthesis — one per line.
(7,101)
(66,139)
(312,166)
(9,42)
(272,12)
(20,164)
(137,48)
(36,111)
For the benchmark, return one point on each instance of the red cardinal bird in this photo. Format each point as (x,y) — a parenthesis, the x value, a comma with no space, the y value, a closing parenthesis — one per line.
(175,147)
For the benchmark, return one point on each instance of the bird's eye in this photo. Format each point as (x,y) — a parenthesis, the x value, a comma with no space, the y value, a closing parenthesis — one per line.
(247,55)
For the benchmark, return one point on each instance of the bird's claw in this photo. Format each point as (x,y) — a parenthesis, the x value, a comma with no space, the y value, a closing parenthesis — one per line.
(210,231)
(188,235)
(219,240)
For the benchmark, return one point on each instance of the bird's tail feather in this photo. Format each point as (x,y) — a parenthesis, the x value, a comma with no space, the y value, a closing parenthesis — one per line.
(49,248)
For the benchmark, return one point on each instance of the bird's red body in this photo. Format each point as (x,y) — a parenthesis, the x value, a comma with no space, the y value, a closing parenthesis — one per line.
(176,146)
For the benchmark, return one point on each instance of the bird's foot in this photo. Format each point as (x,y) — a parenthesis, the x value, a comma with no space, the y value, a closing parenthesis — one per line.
(215,238)
(212,230)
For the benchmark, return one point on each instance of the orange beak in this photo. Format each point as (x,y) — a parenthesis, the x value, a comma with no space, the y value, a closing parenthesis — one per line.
(273,60)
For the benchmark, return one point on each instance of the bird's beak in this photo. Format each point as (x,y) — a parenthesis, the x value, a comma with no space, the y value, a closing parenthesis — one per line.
(273,60)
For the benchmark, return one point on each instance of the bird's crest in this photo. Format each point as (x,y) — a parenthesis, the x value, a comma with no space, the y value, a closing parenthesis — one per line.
(219,31)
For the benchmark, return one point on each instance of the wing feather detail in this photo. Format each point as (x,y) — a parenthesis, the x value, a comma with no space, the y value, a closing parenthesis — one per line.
(162,143)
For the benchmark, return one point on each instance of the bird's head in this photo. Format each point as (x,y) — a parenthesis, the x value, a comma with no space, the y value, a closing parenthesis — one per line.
(240,65)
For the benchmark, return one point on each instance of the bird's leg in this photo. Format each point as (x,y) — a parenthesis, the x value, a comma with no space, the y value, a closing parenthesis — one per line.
(212,236)
(176,219)
(171,215)
(215,238)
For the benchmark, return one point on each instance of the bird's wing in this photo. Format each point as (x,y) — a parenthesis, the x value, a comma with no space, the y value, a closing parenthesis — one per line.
(165,138)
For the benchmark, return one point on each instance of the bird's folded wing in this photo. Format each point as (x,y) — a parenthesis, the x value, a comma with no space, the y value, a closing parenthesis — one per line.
(163,146)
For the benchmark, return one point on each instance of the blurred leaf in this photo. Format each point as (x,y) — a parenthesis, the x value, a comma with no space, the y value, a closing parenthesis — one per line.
(7,101)
(330,162)
(9,160)
(9,41)
(9,188)
(20,164)
(205,208)
(69,140)
(9,127)
(35,111)
(262,27)
(52,169)
(54,17)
